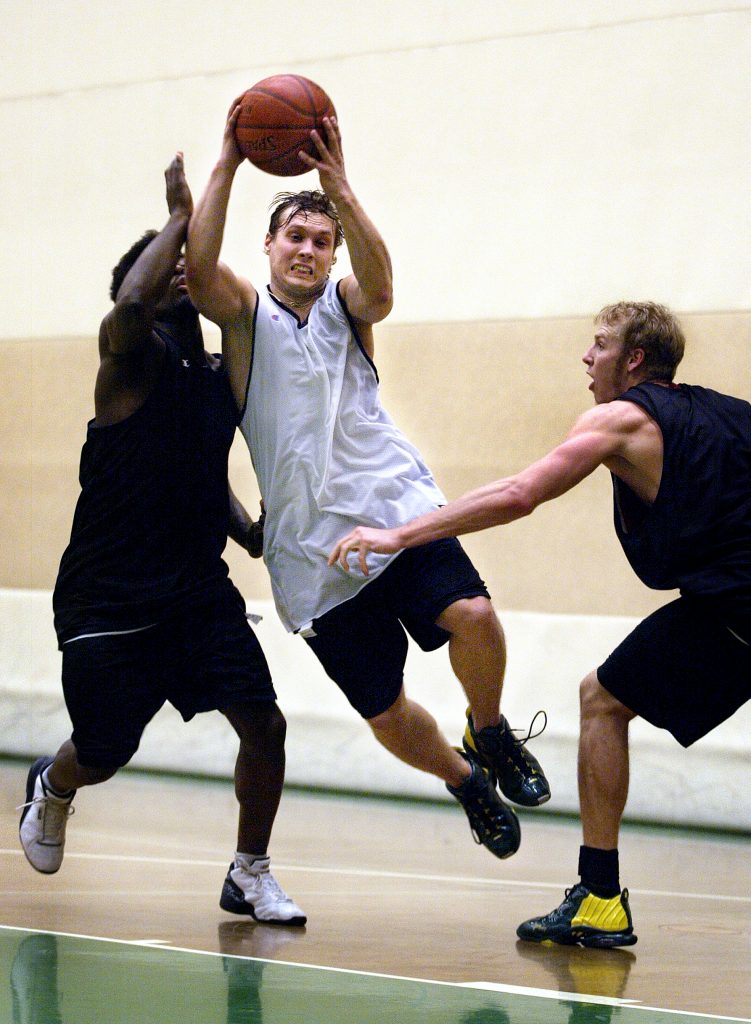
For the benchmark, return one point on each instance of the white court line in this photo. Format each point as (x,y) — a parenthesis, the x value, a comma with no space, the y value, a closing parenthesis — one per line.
(366,873)
(540,993)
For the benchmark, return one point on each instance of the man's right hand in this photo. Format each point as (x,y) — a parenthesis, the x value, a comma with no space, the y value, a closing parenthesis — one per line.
(231,154)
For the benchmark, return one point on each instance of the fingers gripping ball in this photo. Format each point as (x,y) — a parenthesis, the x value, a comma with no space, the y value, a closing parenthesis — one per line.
(276,118)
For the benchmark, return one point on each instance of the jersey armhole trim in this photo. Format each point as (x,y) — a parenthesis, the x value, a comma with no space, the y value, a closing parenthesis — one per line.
(252,355)
(355,332)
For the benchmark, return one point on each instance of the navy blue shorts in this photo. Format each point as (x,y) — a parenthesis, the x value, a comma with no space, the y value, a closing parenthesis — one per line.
(362,644)
(681,669)
(206,660)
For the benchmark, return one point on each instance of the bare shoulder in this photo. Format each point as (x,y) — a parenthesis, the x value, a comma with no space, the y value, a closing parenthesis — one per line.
(629,442)
(617,417)
(365,306)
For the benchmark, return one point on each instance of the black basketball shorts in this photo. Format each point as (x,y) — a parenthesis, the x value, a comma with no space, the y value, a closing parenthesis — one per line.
(681,669)
(203,660)
(362,643)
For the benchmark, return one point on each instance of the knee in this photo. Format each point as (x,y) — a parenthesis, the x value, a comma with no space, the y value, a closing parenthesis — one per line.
(262,725)
(390,718)
(92,775)
(97,775)
(99,763)
(597,702)
(471,615)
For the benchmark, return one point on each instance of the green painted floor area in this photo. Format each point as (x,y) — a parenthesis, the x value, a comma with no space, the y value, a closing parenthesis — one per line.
(60,979)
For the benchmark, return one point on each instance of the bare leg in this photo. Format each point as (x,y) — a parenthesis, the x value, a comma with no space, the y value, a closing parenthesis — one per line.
(259,772)
(603,767)
(477,650)
(412,734)
(65,773)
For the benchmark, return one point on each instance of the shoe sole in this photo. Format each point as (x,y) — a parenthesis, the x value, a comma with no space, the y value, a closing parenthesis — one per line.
(233,901)
(34,772)
(601,940)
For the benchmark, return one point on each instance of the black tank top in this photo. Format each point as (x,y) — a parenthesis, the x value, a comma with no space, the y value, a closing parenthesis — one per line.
(696,537)
(151,521)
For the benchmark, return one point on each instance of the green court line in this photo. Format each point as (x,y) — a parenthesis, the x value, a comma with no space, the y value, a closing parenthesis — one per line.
(55,978)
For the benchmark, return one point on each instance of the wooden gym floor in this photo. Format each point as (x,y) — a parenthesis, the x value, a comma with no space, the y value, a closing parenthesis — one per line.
(393,891)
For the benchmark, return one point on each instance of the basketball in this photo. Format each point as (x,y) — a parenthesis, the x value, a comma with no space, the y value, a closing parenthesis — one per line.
(276,118)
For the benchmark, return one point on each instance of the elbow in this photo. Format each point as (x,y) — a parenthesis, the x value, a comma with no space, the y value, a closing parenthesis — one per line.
(382,302)
(132,311)
(519,501)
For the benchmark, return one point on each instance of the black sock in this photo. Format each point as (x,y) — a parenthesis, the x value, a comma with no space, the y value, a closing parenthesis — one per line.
(598,870)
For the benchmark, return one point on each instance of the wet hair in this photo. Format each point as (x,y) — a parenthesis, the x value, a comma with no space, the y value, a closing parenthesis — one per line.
(305,203)
(652,328)
(120,272)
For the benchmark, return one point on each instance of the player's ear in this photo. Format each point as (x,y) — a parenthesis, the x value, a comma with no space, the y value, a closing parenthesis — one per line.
(635,358)
(267,243)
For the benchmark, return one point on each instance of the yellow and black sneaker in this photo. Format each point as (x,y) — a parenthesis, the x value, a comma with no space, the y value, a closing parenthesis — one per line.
(583,919)
(493,823)
(516,771)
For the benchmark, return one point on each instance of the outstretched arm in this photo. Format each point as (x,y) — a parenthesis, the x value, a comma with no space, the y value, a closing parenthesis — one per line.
(602,435)
(368,290)
(215,290)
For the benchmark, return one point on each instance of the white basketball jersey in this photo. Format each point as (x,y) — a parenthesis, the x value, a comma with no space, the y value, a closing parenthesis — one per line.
(327,455)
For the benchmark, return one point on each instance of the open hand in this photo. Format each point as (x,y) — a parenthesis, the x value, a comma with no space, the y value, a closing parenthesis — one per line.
(230,150)
(330,161)
(179,198)
(362,540)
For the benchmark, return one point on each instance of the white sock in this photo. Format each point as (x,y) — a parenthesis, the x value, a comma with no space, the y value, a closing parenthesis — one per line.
(252,862)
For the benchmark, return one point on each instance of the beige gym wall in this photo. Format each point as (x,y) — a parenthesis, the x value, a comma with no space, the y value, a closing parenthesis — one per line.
(480,399)
(525,162)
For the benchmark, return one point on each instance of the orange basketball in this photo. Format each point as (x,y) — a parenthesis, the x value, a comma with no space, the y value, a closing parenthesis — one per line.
(276,117)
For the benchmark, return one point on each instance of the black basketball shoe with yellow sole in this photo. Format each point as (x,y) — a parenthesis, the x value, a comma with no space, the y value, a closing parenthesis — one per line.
(583,919)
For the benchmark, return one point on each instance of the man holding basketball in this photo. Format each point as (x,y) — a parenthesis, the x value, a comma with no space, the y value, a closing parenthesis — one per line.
(680,459)
(300,358)
(145,611)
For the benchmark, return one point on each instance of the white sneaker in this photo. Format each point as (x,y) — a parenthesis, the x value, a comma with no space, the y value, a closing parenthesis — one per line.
(42,827)
(252,889)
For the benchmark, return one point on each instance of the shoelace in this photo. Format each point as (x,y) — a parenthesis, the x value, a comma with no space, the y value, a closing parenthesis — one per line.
(65,809)
(492,818)
(54,802)
(269,883)
(530,734)
(558,912)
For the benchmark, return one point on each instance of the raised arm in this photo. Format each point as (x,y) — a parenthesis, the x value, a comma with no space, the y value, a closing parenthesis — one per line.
(216,291)
(368,291)
(129,348)
(609,434)
(128,326)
